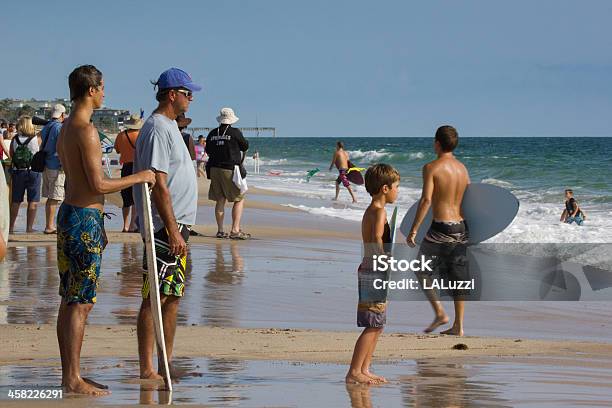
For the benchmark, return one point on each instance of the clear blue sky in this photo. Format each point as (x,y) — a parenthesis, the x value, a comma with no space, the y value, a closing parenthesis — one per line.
(333,68)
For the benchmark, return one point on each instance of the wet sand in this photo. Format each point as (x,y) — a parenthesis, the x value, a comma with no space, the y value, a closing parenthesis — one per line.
(442,382)
(289,295)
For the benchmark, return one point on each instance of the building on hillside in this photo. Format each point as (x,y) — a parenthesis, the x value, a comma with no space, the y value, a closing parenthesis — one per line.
(109,120)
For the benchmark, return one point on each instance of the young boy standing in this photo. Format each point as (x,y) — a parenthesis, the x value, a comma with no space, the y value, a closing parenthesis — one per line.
(381,182)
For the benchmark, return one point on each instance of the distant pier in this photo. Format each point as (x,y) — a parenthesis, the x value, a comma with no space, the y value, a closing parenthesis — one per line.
(258,130)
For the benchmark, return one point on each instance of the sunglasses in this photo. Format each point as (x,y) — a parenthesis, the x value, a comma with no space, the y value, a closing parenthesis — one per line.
(185,92)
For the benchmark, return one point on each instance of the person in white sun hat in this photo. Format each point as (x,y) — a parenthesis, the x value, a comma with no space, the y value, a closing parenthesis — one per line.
(226,148)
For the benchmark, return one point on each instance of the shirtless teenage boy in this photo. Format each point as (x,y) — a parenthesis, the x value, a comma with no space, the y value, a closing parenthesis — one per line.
(341,160)
(444,182)
(80,222)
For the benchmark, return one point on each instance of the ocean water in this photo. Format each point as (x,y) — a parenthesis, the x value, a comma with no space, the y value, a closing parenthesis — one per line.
(535,170)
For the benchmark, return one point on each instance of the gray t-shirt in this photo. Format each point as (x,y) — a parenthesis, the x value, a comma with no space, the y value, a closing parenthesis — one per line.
(160,147)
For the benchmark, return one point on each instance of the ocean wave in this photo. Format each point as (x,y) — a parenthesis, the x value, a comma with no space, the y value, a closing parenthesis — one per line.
(349,214)
(265,162)
(369,155)
(496,182)
(416,155)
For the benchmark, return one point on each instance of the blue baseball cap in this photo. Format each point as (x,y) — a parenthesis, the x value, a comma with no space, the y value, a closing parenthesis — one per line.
(177,78)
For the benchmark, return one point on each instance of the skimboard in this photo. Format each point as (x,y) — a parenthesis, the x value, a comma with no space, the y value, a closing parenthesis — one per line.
(311,173)
(393,228)
(393,225)
(353,174)
(153,281)
(487,209)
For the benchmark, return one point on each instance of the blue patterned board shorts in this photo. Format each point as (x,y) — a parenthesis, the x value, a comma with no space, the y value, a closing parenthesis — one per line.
(81,239)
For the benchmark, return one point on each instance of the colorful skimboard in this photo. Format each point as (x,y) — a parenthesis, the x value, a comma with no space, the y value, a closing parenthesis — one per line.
(311,173)
(153,281)
(353,174)
(487,209)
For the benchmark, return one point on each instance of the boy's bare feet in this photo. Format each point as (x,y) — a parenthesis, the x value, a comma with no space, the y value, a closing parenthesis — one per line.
(453,331)
(81,387)
(359,378)
(375,377)
(438,321)
(151,375)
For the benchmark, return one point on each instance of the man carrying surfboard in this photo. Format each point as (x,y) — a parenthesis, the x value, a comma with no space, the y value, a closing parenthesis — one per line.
(341,160)
(80,222)
(160,147)
(444,183)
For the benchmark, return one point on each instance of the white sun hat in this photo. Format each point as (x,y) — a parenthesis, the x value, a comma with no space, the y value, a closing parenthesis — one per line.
(57,111)
(227,116)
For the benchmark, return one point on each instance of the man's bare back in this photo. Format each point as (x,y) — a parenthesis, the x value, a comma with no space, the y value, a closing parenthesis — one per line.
(341,159)
(450,179)
(79,138)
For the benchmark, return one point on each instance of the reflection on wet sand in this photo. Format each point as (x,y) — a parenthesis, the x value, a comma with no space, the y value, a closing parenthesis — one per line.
(31,273)
(435,384)
(492,382)
(221,290)
(447,384)
(129,278)
(359,395)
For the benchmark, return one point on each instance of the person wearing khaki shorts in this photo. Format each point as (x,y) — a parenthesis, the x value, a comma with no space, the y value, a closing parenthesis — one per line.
(226,147)
(222,186)
(53,190)
(53,175)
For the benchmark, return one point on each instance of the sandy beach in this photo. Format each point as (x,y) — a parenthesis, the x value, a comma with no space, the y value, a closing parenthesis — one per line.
(280,301)
(26,344)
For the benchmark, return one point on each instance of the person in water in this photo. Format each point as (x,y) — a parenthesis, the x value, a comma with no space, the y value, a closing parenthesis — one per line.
(341,160)
(572,211)
(444,183)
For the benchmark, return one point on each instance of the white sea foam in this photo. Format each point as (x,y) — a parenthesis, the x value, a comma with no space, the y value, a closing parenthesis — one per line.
(416,155)
(264,161)
(536,222)
(369,155)
(496,182)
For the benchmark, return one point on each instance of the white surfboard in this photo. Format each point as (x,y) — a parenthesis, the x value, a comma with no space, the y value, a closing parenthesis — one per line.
(154,281)
(487,210)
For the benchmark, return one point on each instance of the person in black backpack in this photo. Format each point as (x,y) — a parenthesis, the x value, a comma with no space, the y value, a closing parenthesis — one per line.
(23,147)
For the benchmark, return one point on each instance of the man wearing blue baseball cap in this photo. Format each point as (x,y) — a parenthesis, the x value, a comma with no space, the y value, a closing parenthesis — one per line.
(160,147)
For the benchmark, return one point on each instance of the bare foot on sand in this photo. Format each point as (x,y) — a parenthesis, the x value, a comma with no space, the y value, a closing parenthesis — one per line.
(375,377)
(453,332)
(359,378)
(151,375)
(438,321)
(95,384)
(81,387)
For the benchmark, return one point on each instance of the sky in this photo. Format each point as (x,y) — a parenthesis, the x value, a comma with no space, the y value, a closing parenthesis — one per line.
(332,68)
